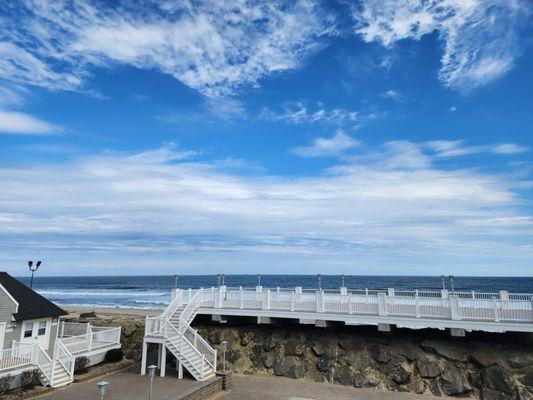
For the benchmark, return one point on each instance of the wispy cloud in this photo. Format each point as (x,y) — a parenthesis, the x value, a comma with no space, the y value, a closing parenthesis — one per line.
(162,202)
(15,122)
(298,112)
(456,148)
(213,47)
(328,147)
(480,37)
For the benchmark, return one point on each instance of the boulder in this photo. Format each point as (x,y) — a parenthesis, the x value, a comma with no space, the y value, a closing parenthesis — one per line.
(483,358)
(343,375)
(293,348)
(397,373)
(427,368)
(449,350)
(246,337)
(290,367)
(453,381)
(520,360)
(380,354)
(366,378)
(490,394)
(268,360)
(352,343)
(318,349)
(497,379)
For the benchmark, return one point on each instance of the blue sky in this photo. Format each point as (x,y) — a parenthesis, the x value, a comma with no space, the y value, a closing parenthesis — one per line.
(365,137)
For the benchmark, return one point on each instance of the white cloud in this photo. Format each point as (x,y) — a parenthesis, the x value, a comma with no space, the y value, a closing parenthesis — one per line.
(328,147)
(12,96)
(25,124)
(391,94)
(480,36)
(158,207)
(456,148)
(214,47)
(298,112)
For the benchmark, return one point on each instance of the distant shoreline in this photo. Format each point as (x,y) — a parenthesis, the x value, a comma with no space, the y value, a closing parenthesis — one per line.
(76,311)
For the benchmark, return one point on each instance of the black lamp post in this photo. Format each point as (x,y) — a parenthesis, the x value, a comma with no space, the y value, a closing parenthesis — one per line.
(33,269)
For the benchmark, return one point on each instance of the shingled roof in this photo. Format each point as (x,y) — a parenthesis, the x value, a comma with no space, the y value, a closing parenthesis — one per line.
(31,304)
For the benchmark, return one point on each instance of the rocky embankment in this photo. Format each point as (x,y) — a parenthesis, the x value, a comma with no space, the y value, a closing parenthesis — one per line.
(489,366)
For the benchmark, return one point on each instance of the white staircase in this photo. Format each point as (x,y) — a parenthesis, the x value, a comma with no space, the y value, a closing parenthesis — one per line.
(189,348)
(56,371)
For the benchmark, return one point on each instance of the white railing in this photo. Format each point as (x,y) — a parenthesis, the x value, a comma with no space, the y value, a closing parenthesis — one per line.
(185,348)
(176,302)
(204,348)
(427,304)
(154,325)
(63,356)
(17,357)
(97,337)
(43,362)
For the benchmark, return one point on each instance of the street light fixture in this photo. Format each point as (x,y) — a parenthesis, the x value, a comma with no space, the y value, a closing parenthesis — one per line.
(101,389)
(258,280)
(442,278)
(218,279)
(33,269)
(342,279)
(176,281)
(319,281)
(223,280)
(451,283)
(224,344)
(151,374)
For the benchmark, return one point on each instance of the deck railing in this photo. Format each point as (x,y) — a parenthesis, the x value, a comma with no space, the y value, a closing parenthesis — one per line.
(95,337)
(20,356)
(427,304)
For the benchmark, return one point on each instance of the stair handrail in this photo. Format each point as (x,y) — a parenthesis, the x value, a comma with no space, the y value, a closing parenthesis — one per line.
(183,339)
(176,302)
(40,353)
(61,352)
(212,361)
(189,310)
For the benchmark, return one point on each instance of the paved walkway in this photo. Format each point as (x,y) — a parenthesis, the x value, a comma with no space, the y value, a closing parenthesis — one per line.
(129,385)
(277,388)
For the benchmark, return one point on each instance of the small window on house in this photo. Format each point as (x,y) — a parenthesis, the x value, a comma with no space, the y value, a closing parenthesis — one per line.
(28,329)
(42,328)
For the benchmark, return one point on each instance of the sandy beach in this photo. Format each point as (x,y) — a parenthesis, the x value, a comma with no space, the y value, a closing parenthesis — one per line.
(111,311)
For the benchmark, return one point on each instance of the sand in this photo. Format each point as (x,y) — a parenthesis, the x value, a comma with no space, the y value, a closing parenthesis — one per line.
(111,311)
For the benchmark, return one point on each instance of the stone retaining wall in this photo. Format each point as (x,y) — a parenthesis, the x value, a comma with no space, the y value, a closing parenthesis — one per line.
(486,366)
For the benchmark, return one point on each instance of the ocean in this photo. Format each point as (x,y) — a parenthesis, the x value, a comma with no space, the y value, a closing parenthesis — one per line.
(148,292)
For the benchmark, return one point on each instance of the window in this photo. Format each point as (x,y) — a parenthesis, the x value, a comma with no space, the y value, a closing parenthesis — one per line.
(28,329)
(42,328)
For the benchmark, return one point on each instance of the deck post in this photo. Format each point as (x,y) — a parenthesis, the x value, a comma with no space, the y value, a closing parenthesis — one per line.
(90,337)
(454,307)
(179,369)
(344,294)
(293,300)
(143,359)
(258,293)
(163,360)
(159,354)
(495,306)
(417,304)
(266,300)
(382,304)
(504,297)
(241,300)
(319,301)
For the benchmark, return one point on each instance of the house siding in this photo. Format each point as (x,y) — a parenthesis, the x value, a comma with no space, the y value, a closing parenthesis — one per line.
(7,309)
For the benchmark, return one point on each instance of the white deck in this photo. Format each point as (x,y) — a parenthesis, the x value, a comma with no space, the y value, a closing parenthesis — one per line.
(490,312)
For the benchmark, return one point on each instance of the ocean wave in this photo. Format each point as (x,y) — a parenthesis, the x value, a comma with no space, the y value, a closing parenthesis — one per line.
(99,293)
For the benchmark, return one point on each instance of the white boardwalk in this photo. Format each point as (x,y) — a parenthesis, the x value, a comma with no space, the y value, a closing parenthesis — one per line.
(467,311)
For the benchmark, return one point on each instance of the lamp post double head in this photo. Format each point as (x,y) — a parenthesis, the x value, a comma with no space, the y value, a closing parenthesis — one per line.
(33,268)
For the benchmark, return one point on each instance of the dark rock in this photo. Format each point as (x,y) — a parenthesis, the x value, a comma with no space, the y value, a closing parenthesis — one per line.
(256,357)
(268,360)
(489,394)
(233,355)
(496,378)
(325,363)
(434,388)
(246,337)
(352,344)
(270,343)
(483,358)
(475,379)
(449,350)
(427,368)
(381,354)
(397,373)
(318,349)
(90,314)
(410,352)
(343,376)
(453,381)
(289,367)
(366,378)
(527,379)
(293,348)
(214,337)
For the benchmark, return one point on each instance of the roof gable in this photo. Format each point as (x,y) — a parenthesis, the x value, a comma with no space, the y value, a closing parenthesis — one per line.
(31,305)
